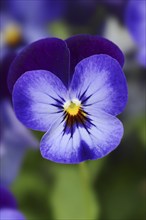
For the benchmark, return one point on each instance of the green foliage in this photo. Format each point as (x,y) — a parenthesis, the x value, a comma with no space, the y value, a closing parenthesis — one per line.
(73,196)
(59,29)
(46,190)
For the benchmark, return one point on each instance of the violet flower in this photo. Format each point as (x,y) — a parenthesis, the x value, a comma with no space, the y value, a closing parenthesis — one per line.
(18,28)
(135,16)
(80,119)
(32,18)
(8,206)
(39,12)
(115,8)
(15,34)
(11,36)
(15,138)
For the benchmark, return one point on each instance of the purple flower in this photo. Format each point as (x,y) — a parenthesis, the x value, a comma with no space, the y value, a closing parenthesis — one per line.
(11,36)
(14,142)
(7,200)
(26,21)
(11,214)
(80,119)
(38,12)
(115,7)
(8,206)
(16,34)
(135,20)
(14,138)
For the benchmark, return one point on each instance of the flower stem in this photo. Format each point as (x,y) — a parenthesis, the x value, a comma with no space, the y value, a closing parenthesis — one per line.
(85,178)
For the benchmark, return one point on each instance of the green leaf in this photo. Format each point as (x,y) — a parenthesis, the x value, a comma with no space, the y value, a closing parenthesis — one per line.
(95,167)
(31,194)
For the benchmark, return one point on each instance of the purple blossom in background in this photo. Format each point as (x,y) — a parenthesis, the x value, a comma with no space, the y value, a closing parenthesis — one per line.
(80,119)
(115,7)
(8,206)
(26,21)
(14,138)
(135,18)
(11,36)
(14,142)
(39,12)
(15,34)
(4,68)
(11,214)
(7,199)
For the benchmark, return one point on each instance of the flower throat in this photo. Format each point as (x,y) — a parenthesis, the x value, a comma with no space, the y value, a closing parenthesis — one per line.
(74,114)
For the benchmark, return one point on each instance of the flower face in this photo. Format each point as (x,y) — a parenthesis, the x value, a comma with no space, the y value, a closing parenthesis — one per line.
(80,120)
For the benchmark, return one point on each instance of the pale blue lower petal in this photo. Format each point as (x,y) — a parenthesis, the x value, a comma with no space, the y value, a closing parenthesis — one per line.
(105,133)
(85,143)
(59,146)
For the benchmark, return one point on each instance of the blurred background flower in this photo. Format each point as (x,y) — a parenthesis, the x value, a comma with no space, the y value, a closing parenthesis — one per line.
(135,16)
(8,206)
(14,137)
(111,188)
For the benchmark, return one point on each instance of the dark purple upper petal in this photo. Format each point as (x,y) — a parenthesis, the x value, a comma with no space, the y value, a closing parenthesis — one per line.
(7,200)
(56,55)
(47,54)
(82,46)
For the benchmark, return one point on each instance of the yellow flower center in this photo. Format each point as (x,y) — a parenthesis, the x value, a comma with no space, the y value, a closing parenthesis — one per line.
(72,107)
